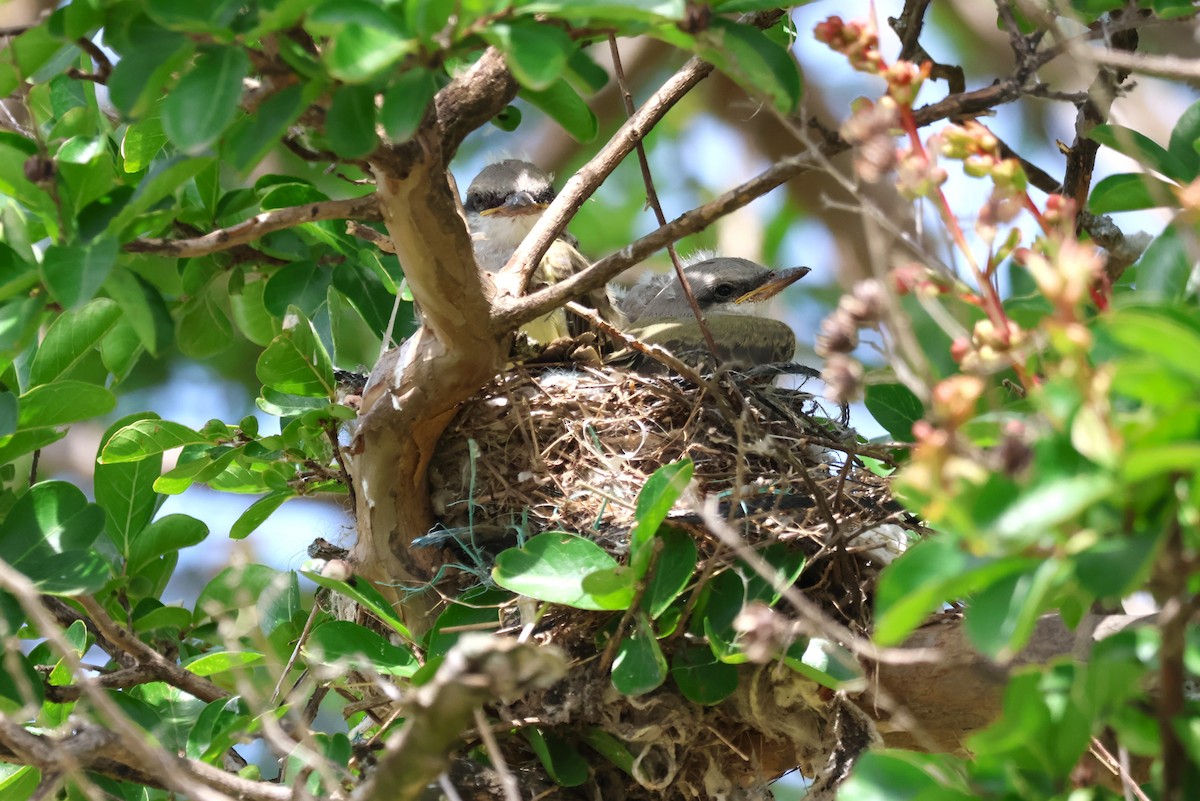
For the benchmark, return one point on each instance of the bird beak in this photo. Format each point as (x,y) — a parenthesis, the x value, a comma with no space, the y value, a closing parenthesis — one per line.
(776,283)
(517,204)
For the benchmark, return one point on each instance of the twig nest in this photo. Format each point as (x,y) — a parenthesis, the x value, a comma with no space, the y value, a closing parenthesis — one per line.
(551,448)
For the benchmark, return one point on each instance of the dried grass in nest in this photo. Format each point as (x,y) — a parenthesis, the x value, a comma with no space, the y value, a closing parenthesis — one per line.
(552,449)
(569,449)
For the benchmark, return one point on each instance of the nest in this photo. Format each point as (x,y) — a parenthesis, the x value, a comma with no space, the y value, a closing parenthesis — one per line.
(557,449)
(546,448)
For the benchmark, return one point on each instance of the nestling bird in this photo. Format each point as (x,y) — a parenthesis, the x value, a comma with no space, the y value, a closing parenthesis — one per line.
(730,293)
(503,203)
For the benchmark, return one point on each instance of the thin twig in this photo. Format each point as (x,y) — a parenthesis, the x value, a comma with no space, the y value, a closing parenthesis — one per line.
(358,208)
(652,199)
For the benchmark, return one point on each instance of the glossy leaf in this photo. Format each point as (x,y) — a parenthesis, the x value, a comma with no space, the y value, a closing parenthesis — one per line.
(673,572)
(164,536)
(701,677)
(144,438)
(351,121)
(64,402)
(639,665)
(364,594)
(1140,148)
(552,567)
(257,513)
(343,642)
(536,53)
(48,536)
(1185,137)
(296,362)
(896,408)
(71,338)
(562,104)
(563,763)
(654,502)
(405,102)
(204,103)
(1130,192)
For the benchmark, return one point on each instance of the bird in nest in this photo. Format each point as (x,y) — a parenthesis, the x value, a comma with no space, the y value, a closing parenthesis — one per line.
(503,203)
(731,294)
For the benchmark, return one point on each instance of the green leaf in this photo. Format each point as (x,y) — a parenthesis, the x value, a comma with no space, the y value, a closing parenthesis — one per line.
(552,567)
(302,284)
(357,52)
(1185,139)
(296,362)
(674,570)
(64,402)
(250,312)
(654,502)
(562,761)
(364,594)
(202,327)
(257,513)
(1156,335)
(165,178)
(126,491)
(367,293)
(1144,462)
(215,662)
(892,776)
(563,105)
(120,350)
(639,666)
(72,337)
(611,10)
(243,586)
(48,535)
(142,143)
(896,408)
(1165,269)
(1130,192)
(405,102)
(536,53)
(1048,503)
(701,677)
(1116,567)
(144,438)
(143,307)
(350,123)
(926,576)
(164,536)
(141,71)
(827,663)
(9,412)
(1001,616)
(344,643)
(1141,149)
(252,137)
(204,102)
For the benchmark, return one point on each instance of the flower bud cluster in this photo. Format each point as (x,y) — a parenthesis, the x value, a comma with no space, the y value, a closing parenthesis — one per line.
(863,307)
(918,174)
(872,127)
(990,346)
(1065,271)
(979,151)
(857,40)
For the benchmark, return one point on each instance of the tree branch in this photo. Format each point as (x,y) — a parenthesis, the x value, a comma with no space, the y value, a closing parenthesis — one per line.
(479,669)
(355,208)
(510,312)
(516,274)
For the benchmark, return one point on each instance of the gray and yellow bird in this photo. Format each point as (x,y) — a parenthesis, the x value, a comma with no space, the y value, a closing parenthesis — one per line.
(503,204)
(730,293)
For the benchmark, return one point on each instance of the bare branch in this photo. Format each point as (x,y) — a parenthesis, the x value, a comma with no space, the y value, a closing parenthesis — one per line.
(167,671)
(1173,67)
(356,208)
(477,670)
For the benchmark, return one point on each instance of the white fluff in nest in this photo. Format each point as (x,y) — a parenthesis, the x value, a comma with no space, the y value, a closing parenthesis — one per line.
(883,544)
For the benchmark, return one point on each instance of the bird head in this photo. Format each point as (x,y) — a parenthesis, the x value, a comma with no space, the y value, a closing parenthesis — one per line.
(721,285)
(509,188)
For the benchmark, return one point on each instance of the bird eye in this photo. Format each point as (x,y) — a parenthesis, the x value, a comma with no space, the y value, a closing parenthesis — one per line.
(723,290)
(474,202)
(546,196)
